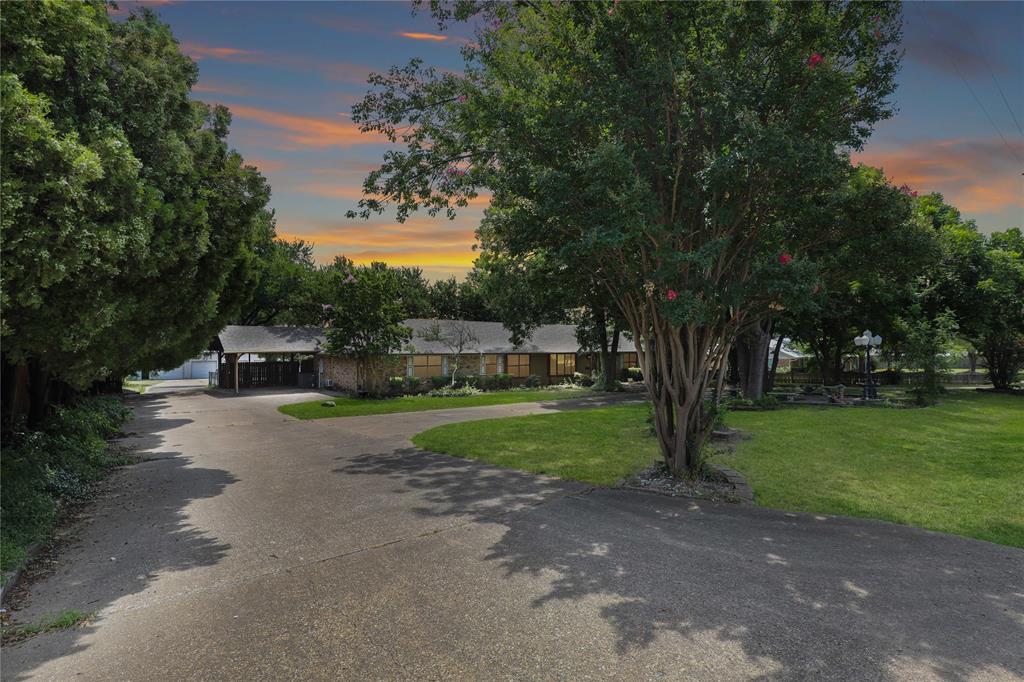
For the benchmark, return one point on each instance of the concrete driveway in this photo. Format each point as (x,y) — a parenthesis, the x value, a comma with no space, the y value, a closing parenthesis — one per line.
(254,546)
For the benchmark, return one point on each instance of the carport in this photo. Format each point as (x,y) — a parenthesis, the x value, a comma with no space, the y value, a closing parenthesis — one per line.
(270,343)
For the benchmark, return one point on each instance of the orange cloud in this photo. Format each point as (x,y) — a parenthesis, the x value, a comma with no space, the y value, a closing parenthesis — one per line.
(231,54)
(220,89)
(266,165)
(306,131)
(977,176)
(433,37)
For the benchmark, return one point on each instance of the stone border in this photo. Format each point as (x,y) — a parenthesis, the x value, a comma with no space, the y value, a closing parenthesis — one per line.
(739,484)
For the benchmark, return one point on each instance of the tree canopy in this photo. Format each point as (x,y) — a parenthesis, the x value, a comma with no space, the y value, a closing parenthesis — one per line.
(128,224)
(664,146)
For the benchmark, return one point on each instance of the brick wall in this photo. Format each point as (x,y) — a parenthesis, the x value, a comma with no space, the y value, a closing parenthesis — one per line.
(341,372)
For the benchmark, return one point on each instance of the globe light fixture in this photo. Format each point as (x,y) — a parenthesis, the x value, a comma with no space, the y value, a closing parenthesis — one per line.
(868,341)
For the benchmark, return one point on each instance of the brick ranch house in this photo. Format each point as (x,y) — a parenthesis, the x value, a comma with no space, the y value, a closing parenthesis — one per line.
(251,356)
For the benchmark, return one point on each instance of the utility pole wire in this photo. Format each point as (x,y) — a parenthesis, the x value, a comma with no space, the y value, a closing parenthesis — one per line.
(956,66)
(996,81)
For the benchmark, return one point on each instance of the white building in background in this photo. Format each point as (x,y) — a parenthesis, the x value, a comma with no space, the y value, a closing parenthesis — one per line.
(198,367)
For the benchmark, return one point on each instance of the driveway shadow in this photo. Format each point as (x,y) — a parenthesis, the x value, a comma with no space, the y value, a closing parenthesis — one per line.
(803,596)
(123,542)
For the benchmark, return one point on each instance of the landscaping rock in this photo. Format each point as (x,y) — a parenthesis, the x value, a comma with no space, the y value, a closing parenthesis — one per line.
(656,479)
(328,403)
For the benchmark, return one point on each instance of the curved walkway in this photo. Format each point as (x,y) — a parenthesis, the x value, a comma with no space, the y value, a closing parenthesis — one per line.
(251,545)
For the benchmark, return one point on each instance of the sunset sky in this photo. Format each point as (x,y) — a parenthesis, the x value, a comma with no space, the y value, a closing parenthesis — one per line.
(291,71)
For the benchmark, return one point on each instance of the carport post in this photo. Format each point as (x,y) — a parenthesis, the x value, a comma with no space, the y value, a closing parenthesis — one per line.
(236,372)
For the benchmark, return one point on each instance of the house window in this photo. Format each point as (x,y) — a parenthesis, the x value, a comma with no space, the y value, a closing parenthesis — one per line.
(517,365)
(490,364)
(426,366)
(630,360)
(561,364)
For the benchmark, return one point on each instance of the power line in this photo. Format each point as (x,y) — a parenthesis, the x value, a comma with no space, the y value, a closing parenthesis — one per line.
(996,81)
(956,66)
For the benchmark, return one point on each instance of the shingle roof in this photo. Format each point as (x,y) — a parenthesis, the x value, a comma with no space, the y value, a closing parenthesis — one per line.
(266,339)
(493,338)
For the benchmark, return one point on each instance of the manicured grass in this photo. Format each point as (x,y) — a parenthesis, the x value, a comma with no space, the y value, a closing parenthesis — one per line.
(351,407)
(139,386)
(957,467)
(600,445)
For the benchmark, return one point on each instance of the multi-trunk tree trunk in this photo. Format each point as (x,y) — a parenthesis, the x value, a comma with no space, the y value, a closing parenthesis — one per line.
(684,370)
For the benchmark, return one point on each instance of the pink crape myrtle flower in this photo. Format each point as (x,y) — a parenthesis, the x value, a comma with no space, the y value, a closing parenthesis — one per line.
(908,191)
(814,60)
(672,294)
(461,99)
(785,259)
(349,280)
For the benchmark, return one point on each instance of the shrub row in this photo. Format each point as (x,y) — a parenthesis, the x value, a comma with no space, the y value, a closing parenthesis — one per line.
(56,465)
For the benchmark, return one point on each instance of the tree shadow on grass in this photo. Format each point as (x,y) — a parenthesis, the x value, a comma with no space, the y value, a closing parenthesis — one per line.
(135,532)
(801,596)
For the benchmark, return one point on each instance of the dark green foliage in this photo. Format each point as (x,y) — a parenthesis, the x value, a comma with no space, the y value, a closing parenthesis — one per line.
(532,381)
(128,224)
(55,465)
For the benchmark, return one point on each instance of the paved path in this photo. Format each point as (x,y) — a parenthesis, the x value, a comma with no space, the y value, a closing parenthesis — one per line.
(254,546)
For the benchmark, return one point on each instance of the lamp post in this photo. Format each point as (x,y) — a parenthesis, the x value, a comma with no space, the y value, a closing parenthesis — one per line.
(867,340)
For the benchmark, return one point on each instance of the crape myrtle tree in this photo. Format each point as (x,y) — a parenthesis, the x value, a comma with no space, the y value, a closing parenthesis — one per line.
(459,338)
(366,321)
(127,221)
(660,145)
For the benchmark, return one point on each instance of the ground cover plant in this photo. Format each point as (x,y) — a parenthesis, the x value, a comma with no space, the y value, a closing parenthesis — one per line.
(54,466)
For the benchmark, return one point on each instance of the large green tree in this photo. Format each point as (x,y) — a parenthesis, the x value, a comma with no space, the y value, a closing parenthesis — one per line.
(659,144)
(127,221)
(870,253)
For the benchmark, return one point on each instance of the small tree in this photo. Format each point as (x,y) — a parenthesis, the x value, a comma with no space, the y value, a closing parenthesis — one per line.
(455,335)
(366,323)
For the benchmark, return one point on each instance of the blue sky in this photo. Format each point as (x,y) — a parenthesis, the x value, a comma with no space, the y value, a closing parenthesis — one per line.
(291,71)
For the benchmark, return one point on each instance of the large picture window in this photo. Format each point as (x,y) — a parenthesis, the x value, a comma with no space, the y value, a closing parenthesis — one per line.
(517,365)
(490,365)
(561,364)
(426,366)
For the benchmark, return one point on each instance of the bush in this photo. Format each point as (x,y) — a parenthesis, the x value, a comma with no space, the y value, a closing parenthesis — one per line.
(396,384)
(56,465)
(414,384)
(449,392)
(580,379)
(440,381)
(634,374)
(532,381)
(494,382)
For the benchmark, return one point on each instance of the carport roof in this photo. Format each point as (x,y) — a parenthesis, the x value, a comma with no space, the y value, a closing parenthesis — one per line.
(270,339)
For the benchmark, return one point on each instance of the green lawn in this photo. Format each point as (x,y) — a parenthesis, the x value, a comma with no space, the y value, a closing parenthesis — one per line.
(600,445)
(351,407)
(957,467)
(139,385)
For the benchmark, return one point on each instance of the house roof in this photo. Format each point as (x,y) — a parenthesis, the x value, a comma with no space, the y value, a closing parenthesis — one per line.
(270,339)
(492,337)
